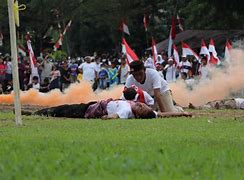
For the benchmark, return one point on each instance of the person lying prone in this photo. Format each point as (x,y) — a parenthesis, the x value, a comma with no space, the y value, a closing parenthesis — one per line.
(105,109)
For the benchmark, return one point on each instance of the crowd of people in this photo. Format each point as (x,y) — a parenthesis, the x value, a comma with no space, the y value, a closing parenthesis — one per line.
(103,71)
(52,74)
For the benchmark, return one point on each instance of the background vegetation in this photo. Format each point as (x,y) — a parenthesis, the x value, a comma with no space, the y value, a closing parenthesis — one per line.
(96,23)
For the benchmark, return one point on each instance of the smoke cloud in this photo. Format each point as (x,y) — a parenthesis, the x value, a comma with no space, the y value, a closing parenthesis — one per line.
(76,93)
(222,83)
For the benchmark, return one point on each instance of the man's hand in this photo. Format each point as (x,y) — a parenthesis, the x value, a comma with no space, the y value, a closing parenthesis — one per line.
(174,114)
(108,117)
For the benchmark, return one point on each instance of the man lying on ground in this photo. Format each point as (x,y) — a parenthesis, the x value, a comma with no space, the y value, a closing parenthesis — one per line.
(235,103)
(136,94)
(105,109)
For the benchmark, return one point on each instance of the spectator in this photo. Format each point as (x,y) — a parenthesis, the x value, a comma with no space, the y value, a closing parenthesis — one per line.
(35,83)
(203,69)
(46,68)
(185,66)
(45,86)
(170,69)
(73,73)
(159,68)
(2,71)
(159,59)
(88,69)
(103,77)
(123,71)
(8,67)
(65,76)
(149,62)
(113,74)
(21,69)
(55,78)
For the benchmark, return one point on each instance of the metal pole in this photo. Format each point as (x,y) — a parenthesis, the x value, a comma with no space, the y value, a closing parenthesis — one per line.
(17,104)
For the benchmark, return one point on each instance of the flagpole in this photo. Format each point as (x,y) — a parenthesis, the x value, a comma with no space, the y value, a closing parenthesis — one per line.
(147,39)
(17,104)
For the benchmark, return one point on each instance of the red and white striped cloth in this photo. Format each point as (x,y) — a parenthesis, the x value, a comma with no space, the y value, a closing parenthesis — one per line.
(124,28)
(154,52)
(186,50)
(214,57)
(130,54)
(61,37)
(176,55)
(204,50)
(228,48)
(34,71)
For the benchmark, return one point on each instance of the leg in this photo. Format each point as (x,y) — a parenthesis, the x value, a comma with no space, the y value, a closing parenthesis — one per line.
(167,101)
(69,111)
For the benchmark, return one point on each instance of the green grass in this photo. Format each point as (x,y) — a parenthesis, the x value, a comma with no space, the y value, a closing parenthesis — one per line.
(174,148)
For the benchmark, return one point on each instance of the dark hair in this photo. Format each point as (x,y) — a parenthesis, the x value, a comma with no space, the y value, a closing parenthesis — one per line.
(136,66)
(35,78)
(184,74)
(204,57)
(46,80)
(129,93)
(150,115)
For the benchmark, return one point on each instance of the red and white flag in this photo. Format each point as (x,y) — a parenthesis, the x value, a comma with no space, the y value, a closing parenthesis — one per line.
(180,23)
(228,48)
(214,57)
(145,22)
(34,71)
(130,54)
(176,55)
(186,50)
(21,50)
(61,37)
(124,28)
(154,52)
(204,50)
(1,38)
(172,36)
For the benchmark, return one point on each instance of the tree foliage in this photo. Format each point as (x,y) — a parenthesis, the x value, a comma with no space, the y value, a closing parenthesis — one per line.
(96,23)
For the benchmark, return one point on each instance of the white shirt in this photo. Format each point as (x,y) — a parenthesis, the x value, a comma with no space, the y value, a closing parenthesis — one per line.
(159,60)
(149,63)
(239,103)
(121,108)
(183,66)
(47,69)
(152,81)
(98,66)
(124,73)
(204,72)
(9,67)
(88,70)
(171,73)
(161,74)
(36,86)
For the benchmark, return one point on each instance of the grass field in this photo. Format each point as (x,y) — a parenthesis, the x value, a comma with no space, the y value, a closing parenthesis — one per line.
(174,148)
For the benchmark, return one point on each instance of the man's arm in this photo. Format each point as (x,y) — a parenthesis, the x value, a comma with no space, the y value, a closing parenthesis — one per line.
(173,114)
(157,96)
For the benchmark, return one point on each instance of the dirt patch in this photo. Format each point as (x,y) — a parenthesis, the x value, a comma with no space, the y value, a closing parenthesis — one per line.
(10,107)
(230,113)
